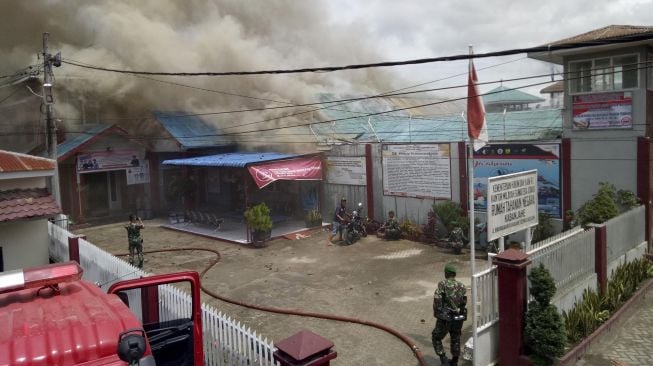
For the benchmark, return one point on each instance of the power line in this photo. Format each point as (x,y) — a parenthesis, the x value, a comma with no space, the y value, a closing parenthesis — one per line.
(536,49)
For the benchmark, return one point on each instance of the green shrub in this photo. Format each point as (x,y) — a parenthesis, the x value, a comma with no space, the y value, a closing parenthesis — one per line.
(544,333)
(601,208)
(410,230)
(544,228)
(258,217)
(451,215)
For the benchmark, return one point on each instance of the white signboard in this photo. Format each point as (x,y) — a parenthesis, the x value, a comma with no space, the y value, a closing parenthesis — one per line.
(511,203)
(422,171)
(346,170)
(139,174)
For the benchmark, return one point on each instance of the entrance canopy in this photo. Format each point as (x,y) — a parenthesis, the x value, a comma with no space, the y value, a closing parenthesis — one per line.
(264,168)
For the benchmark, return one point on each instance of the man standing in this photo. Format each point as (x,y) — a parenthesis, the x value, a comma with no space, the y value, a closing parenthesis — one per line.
(339,220)
(134,238)
(449,303)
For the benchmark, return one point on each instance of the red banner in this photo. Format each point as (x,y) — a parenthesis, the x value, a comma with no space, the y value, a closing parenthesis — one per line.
(294,169)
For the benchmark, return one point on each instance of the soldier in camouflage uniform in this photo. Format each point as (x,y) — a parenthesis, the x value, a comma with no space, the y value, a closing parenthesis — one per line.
(449,303)
(390,229)
(134,238)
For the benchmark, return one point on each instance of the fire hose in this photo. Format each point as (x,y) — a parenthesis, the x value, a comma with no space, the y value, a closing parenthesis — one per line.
(409,342)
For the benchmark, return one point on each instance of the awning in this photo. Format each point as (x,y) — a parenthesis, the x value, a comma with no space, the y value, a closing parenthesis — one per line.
(309,168)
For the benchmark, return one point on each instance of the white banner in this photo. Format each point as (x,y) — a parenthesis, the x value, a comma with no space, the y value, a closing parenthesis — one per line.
(139,174)
(422,171)
(511,203)
(346,170)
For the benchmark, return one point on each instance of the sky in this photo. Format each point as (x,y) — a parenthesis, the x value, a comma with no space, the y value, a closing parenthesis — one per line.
(236,35)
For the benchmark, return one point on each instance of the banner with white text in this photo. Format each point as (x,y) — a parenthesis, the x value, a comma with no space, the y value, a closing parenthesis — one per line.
(511,203)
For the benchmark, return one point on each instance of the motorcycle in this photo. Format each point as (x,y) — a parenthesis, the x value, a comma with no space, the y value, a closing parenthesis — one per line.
(356,226)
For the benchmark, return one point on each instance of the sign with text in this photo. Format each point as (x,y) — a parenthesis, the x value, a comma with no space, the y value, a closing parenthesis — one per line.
(107,160)
(139,174)
(422,171)
(293,169)
(512,203)
(602,111)
(346,170)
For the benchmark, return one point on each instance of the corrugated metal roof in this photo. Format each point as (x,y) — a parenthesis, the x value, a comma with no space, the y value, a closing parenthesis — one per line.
(400,127)
(76,141)
(16,162)
(536,124)
(26,203)
(191,131)
(505,95)
(233,160)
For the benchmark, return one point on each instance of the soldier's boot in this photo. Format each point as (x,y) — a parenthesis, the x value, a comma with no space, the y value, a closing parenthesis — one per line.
(444,361)
(453,361)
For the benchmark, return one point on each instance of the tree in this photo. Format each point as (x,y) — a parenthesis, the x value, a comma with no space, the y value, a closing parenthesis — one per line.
(601,208)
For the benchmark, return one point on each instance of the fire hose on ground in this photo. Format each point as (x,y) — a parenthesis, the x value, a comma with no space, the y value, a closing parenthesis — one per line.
(409,342)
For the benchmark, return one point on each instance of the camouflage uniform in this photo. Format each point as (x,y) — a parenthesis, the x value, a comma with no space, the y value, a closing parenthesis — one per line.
(392,229)
(135,243)
(448,299)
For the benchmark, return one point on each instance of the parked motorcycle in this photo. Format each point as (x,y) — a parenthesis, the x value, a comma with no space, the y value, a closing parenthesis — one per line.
(356,226)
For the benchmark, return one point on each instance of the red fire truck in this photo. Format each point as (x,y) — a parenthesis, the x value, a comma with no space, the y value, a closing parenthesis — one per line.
(50,316)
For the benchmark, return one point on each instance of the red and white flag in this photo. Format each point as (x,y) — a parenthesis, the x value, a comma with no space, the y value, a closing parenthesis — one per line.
(476,125)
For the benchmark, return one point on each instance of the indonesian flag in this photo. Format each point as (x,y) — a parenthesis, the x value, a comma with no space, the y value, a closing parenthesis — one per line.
(476,126)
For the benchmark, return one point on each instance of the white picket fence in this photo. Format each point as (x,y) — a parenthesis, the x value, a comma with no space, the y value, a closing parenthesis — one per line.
(226,341)
(625,232)
(487,326)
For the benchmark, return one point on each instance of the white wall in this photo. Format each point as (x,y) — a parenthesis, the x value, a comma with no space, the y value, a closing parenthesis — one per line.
(22,183)
(24,243)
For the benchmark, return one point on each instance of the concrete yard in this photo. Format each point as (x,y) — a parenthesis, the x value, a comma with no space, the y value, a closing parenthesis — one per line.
(391,283)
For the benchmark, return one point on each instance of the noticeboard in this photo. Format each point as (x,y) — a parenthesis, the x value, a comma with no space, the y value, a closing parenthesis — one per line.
(511,203)
(421,171)
(348,170)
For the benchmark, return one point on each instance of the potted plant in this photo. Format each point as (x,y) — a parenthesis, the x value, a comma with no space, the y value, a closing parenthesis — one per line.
(259,222)
(313,218)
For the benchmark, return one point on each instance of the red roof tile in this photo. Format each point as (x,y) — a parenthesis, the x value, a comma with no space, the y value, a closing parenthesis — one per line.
(26,203)
(609,32)
(16,162)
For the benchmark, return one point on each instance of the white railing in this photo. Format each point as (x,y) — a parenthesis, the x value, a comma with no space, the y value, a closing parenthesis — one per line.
(568,257)
(226,342)
(487,293)
(625,232)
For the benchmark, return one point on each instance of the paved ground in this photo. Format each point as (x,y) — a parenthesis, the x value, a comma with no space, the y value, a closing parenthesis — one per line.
(387,282)
(630,343)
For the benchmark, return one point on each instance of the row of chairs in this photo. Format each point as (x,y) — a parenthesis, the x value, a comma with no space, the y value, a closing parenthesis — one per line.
(204,218)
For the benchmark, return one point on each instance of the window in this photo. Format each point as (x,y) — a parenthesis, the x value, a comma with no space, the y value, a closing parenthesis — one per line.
(604,74)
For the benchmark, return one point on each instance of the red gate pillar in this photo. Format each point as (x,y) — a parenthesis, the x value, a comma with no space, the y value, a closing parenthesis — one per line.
(512,265)
(601,256)
(305,348)
(73,248)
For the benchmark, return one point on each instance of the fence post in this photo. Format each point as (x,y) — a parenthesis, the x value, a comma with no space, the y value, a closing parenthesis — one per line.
(150,304)
(601,256)
(511,266)
(73,249)
(370,181)
(305,348)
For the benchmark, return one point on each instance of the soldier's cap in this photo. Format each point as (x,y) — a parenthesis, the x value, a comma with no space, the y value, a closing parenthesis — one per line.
(450,268)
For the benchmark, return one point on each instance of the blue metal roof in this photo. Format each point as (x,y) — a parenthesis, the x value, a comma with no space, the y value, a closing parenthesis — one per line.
(191,131)
(232,160)
(81,138)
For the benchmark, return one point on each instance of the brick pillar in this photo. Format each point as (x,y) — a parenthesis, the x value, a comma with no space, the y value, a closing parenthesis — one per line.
(369,181)
(73,249)
(601,256)
(305,348)
(644,180)
(512,265)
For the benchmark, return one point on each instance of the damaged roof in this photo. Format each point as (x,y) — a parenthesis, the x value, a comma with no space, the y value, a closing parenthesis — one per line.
(70,145)
(26,203)
(191,132)
(232,160)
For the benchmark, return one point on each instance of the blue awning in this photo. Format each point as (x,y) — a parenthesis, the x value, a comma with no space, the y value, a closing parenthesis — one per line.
(232,160)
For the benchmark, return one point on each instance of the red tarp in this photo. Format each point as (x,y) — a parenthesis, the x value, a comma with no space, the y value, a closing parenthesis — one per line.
(294,169)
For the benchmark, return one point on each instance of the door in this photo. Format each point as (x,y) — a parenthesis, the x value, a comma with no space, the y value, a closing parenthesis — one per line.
(96,200)
(115,189)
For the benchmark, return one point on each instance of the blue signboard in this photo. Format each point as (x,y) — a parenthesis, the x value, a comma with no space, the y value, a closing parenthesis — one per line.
(500,159)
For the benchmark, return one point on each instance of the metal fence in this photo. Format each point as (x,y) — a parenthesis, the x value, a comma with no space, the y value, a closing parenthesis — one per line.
(569,256)
(625,232)
(487,294)
(226,341)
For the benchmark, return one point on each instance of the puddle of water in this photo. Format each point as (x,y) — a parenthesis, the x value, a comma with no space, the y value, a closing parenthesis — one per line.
(401,254)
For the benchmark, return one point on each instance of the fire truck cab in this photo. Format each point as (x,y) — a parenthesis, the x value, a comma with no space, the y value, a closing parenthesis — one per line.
(50,316)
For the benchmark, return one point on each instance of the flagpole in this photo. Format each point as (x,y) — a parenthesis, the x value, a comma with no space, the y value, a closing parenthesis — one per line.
(472,241)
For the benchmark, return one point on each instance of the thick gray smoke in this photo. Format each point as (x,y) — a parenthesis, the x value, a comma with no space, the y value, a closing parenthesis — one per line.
(190,35)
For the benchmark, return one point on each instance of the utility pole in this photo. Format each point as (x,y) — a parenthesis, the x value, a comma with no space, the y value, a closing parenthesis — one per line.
(50,125)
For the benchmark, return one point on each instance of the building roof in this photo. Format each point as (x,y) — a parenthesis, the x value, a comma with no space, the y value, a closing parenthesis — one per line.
(557,87)
(69,146)
(505,95)
(16,162)
(624,35)
(190,131)
(26,203)
(233,160)
(400,127)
